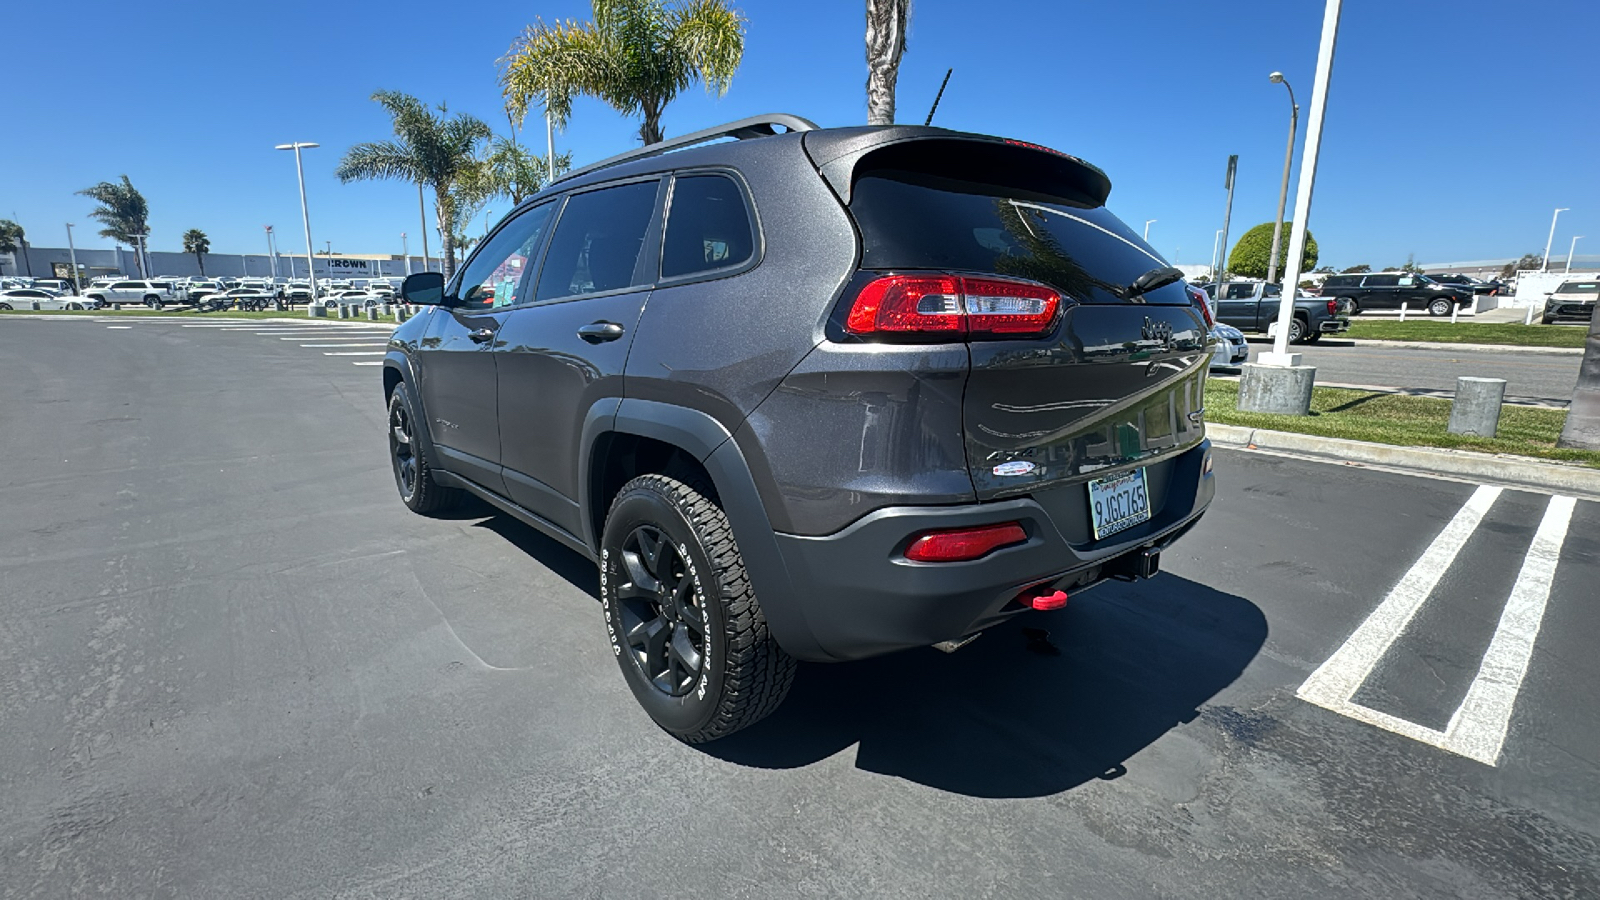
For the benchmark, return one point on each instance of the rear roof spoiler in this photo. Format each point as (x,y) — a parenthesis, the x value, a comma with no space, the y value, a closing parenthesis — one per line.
(839,152)
(753,127)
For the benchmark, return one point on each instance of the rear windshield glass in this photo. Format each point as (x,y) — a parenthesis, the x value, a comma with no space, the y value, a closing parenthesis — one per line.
(912,221)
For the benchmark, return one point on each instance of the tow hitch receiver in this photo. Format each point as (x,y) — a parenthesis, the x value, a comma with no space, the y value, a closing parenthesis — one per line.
(1148,562)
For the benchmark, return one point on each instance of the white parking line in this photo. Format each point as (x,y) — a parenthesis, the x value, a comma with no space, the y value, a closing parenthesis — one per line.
(354,353)
(119,327)
(1477,730)
(378,363)
(363,344)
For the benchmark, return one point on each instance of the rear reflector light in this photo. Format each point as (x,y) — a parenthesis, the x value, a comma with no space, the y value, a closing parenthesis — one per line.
(952,305)
(1333,307)
(959,545)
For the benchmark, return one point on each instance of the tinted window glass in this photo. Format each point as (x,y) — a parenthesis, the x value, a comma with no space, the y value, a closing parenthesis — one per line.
(494,278)
(125,286)
(596,243)
(917,222)
(708,226)
(1339,281)
(1579,287)
(1273,290)
(1383,280)
(1240,291)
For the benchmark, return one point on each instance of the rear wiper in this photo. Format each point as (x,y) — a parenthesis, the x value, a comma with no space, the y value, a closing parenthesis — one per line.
(1155,278)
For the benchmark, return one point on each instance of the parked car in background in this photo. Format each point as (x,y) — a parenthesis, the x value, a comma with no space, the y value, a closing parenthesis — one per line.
(297,292)
(58,285)
(351,297)
(1572,300)
(1253,306)
(1388,290)
(1481,288)
(243,297)
(150,293)
(1229,349)
(971,391)
(24,298)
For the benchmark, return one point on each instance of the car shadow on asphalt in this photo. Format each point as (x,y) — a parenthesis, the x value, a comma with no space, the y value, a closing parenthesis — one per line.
(572,566)
(1020,713)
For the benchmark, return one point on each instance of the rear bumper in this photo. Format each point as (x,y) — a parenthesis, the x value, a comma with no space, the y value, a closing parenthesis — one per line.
(1334,326)
(859,596)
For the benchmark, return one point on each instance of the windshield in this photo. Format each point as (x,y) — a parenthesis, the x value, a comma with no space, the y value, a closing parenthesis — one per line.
(1579,287)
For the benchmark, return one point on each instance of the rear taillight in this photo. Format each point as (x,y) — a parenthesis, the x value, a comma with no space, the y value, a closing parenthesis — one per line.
(1333,307)
(1199,298)
(952,305)
(962,544)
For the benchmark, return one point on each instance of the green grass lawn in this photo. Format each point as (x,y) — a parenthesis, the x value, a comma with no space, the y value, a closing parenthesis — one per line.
(191,314)
(1468,333)
(1402,420)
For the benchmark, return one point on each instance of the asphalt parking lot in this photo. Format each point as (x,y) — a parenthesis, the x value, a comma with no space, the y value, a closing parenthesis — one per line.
(235,666)
(1545,377)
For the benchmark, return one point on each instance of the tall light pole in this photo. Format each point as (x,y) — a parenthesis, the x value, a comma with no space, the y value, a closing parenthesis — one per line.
(550,149)
(1147,224)
(486,214)
(1215,242)
(272,258)
(1546,264)
(405,251)
(77,285)
(1221,275)
(1280,355)
(305,215)
(1571,247)
(1283,192)
(422,211)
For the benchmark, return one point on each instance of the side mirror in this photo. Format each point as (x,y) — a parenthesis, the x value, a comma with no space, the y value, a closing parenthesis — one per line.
(423,289)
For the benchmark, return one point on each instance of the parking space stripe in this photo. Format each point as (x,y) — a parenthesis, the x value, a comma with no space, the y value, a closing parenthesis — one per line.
(1336,680)
(119,327)
(1478,729)
(353,353)
(361,344)
(378,363)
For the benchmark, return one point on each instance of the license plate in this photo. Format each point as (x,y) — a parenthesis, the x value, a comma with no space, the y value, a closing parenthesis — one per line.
(1118,503)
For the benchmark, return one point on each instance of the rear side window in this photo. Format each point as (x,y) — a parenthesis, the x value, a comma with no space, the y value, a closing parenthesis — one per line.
(708,227)
(1383,281)
(1342,281)
(913,221)
(597,241)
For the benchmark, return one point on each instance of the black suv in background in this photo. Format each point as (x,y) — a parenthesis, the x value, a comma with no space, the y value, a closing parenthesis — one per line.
(811,394)
(1388,290)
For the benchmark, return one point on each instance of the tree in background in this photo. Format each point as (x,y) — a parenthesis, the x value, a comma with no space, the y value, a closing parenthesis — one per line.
(124,214)
(431,148)
(509,170)
(1358,270)
(1528,261)
(1325,270)
(196,242)
(1411,264)
(1250,254)
(12,239)
(886,43)
(636,56)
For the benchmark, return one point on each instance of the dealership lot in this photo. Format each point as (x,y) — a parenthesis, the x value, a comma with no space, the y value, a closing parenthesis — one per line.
(236,666)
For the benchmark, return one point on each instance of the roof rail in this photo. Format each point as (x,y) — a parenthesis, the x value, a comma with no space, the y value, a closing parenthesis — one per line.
(755,126)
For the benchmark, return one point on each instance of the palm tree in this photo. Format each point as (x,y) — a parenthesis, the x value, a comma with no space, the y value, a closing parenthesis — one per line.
(11,237)
(886,42)
(196,242)
(123,212)
(431,148)
(510,170)
(636,56)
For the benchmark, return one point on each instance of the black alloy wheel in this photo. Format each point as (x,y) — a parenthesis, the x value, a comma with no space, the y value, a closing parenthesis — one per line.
(402,450)
(663,617)
(408,456)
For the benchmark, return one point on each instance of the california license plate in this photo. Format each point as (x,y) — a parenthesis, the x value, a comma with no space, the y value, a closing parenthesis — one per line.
(1118,503)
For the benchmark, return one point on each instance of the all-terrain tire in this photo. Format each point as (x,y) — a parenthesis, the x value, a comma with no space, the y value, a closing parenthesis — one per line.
(408,458)
(743,675)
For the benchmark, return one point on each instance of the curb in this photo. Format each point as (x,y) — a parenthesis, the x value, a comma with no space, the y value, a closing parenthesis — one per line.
(1476,348)
(1515,471)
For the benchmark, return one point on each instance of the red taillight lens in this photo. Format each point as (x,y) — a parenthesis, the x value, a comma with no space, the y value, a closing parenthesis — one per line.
(962,544)
(1333,307)
(952,305)
(1200,299)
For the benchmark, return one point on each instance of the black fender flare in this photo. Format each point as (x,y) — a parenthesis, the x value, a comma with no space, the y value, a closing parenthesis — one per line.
(397,361)
(708,441)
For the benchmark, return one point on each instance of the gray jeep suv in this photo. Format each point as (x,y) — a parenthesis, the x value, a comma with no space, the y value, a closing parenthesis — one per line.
(811,394)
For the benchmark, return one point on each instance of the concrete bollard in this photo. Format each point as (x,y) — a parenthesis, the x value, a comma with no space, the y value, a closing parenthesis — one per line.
(1476,409)
(317,312)
(1404,308)
(1282,390)
(1528,319)
(400,314)
(372,314)
(385,308)
(117,307)
(35,306)
(1454,308)
(344,311)
(1474,310)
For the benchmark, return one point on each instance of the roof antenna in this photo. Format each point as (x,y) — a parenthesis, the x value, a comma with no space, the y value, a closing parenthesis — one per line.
(936,97)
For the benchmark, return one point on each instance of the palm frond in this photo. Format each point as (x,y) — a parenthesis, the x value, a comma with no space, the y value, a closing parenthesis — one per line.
(549,65)
(377,160)
(710,36)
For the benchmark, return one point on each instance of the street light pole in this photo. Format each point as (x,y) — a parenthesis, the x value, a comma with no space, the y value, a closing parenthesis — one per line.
(272,258)
(1283,192)
(1571,247)
(77,284)
(1147,224)
(305,214)
(550,149)
(1215,242)
(1546,264)
(405,251)
(422,212)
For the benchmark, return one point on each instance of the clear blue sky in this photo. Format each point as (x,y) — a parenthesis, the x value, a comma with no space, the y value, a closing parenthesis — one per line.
(1454,127)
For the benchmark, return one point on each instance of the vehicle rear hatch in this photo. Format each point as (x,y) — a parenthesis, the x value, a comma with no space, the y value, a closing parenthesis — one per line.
(1114,383)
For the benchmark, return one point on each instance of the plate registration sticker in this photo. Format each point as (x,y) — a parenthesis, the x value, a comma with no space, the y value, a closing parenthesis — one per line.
(1118,503)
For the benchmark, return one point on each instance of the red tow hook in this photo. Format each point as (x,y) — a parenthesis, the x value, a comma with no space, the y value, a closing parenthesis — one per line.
(1052,600)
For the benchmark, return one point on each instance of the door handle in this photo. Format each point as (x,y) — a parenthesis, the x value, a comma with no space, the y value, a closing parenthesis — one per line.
(599,332)
(481,336)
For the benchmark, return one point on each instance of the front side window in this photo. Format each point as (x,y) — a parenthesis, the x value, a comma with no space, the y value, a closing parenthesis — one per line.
(708,227)
(1407,281)
(597,242)
(494,278)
